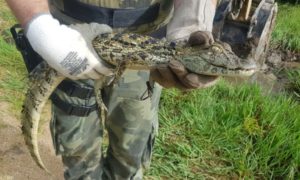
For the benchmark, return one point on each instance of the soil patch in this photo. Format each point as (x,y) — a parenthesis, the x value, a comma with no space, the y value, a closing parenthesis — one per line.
(15,160)
(271,77)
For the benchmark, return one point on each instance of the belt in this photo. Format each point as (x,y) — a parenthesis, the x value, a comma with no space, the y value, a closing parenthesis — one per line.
(116,18)
(72,89)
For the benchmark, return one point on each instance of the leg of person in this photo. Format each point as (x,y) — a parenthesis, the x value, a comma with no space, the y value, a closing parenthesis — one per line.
(77,131)
(131,123)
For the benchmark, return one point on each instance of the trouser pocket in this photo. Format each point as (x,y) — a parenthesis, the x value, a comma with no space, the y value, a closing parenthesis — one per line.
(74,134)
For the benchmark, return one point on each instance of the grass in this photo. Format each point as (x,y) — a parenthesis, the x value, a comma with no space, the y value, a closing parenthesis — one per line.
(287,30)
(294,82)
(224,132)
(12,76)
(227,132)
(12,68)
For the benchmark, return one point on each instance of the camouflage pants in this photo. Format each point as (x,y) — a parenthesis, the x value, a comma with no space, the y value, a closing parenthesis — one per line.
(131,123)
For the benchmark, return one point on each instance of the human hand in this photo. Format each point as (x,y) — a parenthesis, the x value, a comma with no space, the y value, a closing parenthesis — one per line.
(176,75)
(68,49)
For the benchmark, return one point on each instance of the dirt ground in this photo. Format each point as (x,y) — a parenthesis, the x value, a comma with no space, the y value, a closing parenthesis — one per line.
(15,160)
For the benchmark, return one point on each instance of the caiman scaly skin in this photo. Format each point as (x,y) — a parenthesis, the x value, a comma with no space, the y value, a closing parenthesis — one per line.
(128,51)
(143,52)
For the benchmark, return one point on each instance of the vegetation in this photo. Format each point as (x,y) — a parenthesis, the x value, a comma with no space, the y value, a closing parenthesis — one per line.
(293,85)
(293,2)
(287,29)
(12,68)
(228,132)
(224,132)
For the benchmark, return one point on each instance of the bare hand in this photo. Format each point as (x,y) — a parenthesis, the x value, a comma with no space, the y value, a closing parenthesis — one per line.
(175,75)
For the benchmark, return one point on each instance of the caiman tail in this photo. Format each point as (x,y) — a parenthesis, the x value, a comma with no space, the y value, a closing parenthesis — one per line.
(43,81)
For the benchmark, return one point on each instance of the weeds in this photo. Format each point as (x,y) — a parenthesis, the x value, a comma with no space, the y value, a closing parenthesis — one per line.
(227,132)
(286,33)
(294,82)
(12,75)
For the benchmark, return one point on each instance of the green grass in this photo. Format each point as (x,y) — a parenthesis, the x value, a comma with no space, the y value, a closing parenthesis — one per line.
(12,76)
(12,69)
(293,82)
(6,17)
(287,29)
(227,132)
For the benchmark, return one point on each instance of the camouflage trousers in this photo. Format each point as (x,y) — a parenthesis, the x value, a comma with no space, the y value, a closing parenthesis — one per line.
(131,123)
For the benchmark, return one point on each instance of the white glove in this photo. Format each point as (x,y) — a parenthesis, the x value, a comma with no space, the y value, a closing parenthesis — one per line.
(66,49)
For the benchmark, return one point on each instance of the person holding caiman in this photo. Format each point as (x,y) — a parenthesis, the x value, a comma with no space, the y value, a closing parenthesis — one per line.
(56,31)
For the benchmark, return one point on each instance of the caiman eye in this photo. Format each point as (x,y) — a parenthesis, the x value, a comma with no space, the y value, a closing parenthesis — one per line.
(216,49)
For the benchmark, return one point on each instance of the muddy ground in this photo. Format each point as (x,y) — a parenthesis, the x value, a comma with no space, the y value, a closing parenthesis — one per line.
(272,77)
(17,164)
